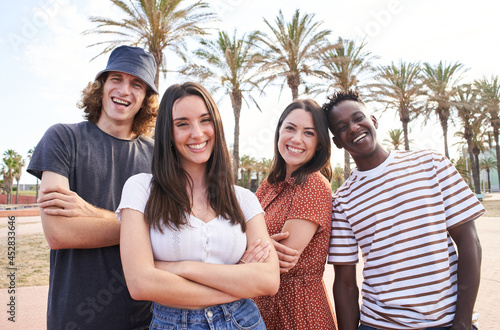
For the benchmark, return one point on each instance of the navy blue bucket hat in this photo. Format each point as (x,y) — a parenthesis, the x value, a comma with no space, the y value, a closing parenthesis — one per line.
(135,61)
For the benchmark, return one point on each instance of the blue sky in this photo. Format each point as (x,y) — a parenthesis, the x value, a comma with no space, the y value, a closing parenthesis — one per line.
(45,61)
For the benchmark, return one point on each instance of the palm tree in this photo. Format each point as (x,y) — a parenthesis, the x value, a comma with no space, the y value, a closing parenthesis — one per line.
(488,164)
(345,64)
(11,160)
(462,168)
(469,112)
(489,91)
(477,149)
(30,154)
(337,177)
(399,88)
(293,50)
(440,81)
(229,63)
(262,166)
(394,141)
(17,173)
(247,164)
(156,25)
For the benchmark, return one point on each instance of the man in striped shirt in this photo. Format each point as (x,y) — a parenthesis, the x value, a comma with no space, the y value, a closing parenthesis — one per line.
(404,210)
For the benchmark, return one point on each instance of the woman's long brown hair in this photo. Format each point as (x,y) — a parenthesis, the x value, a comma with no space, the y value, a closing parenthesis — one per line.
(169,203)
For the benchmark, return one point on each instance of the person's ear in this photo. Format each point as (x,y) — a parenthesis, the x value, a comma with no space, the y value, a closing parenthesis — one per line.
(336,142)
(374,120)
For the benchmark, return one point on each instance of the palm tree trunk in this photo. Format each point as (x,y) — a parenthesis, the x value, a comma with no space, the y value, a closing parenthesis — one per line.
(158,55)
(475,171)
(497,147)
(444,125)
(347,165)
(249,180)
(489,181)
(468,138)
(293,83)
(475,179)
(7,186)
(405,134)
(295,93)
(236,100)
(17,190)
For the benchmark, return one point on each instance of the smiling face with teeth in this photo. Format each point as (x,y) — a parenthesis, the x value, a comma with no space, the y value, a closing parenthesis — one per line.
(193,131)
(123,96)
(298,140)
(355,131)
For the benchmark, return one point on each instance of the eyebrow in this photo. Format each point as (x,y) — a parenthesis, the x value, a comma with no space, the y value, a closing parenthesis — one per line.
(353,115)
(121,75)
(138,80)
(185,118)
(290,123)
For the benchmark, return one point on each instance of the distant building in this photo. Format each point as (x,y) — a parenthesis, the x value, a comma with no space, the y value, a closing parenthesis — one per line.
(26,187)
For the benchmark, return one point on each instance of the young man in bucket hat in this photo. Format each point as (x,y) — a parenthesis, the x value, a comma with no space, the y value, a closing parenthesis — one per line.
(82,168)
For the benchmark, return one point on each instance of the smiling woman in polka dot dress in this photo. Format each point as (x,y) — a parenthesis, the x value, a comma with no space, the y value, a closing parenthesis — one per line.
(296,198)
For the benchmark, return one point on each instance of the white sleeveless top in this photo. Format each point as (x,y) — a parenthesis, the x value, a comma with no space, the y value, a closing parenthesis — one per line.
(216,241)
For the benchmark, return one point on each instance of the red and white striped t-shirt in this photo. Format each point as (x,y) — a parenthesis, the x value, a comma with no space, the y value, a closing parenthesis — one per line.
(399,215)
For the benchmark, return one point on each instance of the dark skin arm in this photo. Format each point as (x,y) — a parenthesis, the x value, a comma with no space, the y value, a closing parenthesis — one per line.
(346,294)
(469,273)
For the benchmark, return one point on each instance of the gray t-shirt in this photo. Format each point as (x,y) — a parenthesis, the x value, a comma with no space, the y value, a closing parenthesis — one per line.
(87,288)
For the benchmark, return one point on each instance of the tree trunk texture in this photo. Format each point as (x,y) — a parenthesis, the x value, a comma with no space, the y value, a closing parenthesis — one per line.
(475,171)
(236,100)
(8,183)
(347,165)
(489,181)
(294,82)
(405,134)
(443,119)
(497,148)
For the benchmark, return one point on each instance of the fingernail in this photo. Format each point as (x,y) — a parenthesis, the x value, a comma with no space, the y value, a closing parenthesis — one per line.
(257,241)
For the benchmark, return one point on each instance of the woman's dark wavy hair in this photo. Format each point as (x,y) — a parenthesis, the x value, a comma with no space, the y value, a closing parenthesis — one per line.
(91,103)
(321,158)
(169,203)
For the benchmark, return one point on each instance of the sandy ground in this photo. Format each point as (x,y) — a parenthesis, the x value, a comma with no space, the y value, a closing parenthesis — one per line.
(31,302)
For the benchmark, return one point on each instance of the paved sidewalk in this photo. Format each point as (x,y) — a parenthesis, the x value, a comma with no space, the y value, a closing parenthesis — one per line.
(31,302)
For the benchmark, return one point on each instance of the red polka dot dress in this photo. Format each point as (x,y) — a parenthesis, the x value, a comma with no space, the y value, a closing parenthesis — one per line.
(302,301)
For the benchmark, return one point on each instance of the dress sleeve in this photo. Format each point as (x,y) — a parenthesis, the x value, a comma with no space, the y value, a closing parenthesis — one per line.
(312,201)
(460,204)
(135,194)
(249,203)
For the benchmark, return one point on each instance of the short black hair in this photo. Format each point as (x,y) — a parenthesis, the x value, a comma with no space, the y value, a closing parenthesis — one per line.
(342,95)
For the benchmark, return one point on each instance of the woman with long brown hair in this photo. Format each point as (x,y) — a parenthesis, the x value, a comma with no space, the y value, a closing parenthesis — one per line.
(185,227)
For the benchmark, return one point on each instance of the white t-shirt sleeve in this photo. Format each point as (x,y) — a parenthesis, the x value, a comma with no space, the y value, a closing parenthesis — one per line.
(249,203)
(135,193)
